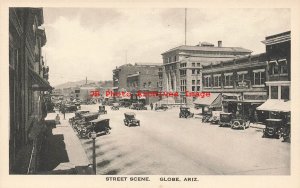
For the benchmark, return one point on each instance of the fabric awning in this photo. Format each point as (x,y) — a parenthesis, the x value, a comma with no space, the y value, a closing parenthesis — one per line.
(39,84)
(208,101)
(275,105)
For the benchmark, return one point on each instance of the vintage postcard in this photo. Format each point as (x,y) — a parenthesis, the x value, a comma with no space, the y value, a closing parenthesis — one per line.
(101,94)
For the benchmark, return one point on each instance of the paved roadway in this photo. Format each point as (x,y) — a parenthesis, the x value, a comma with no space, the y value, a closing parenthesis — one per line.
(167,145)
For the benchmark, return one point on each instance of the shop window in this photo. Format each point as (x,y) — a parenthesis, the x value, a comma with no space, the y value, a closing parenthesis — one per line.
(285,92)
(274,92)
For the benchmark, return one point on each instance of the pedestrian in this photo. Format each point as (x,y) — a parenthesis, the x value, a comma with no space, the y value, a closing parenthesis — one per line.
(151,105)
(57,119)
(155,106)
(64,112)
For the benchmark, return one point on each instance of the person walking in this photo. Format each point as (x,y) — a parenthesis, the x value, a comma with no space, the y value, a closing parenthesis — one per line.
(151,105)
(57,119)
(64,112)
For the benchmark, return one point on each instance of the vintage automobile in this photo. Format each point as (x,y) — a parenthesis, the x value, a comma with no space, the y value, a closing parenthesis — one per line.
(69,108)
(115,106)
(185,112)
(125,104)
(225,119)
(286,132)
(78,125)
(102,109)
(130,119)
(240,122)
(273,128)
(78,116)
(215,118)
(97,125)
(163,107)
(138,106)
(78,105)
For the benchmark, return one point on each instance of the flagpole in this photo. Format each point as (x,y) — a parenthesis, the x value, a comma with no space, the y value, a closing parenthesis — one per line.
(185,12)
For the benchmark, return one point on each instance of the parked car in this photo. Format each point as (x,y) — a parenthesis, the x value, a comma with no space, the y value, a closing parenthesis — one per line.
(185,113)
(273,128)
(215,118)
(225,119)
(240,122)
(130,119)
(96,125)
(163,107)
(102,109)
(115,106)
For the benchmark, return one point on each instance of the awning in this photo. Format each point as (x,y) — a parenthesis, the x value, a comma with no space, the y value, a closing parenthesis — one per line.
(231,96)
(275,105)
(39,84)
(214,100)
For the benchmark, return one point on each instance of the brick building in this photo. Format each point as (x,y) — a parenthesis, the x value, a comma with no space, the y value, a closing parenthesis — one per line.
(29,86)
(247,82)
(182,66)
(138,77)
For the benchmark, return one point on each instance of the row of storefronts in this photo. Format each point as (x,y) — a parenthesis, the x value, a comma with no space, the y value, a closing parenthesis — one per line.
(254,85)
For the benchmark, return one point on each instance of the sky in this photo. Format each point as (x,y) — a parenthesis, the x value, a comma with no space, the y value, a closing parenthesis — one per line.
(91,42)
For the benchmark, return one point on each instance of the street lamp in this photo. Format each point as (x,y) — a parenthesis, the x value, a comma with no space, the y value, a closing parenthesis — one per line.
(94,135)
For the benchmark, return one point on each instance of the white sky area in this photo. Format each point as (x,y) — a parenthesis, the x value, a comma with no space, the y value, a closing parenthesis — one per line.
(93,41)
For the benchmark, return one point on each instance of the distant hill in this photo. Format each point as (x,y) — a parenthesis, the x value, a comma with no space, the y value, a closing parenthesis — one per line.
(107,83)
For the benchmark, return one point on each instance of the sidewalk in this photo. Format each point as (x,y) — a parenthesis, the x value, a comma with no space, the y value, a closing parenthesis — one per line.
(63,153)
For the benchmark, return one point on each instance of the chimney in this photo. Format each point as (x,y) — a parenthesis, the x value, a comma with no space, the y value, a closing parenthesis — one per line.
(219,43)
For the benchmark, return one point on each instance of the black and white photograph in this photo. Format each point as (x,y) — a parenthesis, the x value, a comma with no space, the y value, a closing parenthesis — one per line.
(164,94)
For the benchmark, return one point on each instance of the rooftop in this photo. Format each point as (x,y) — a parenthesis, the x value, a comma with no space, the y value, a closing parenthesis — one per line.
(209,48)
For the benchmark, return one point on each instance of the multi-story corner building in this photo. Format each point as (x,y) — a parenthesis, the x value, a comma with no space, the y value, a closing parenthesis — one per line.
(28,83)
(241,82)
(182,66)
(144,77)
(247,82)
(278,51)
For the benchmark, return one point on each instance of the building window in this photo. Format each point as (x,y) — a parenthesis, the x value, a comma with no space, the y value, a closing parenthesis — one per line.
(193,71)
(285,92)
(258,77)
(193,64)
(193,88)
(144,85)
(183,65)
(198,64)
(228,79)
(274,92)
(198,71)
(217,80)
(198,82)
(241,75)
(193,82)
(182,85)
(149,84)
(182,72)
(198,88)
(207,81)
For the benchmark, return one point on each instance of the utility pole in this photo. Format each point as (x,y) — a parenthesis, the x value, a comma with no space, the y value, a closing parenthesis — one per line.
(185,12)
